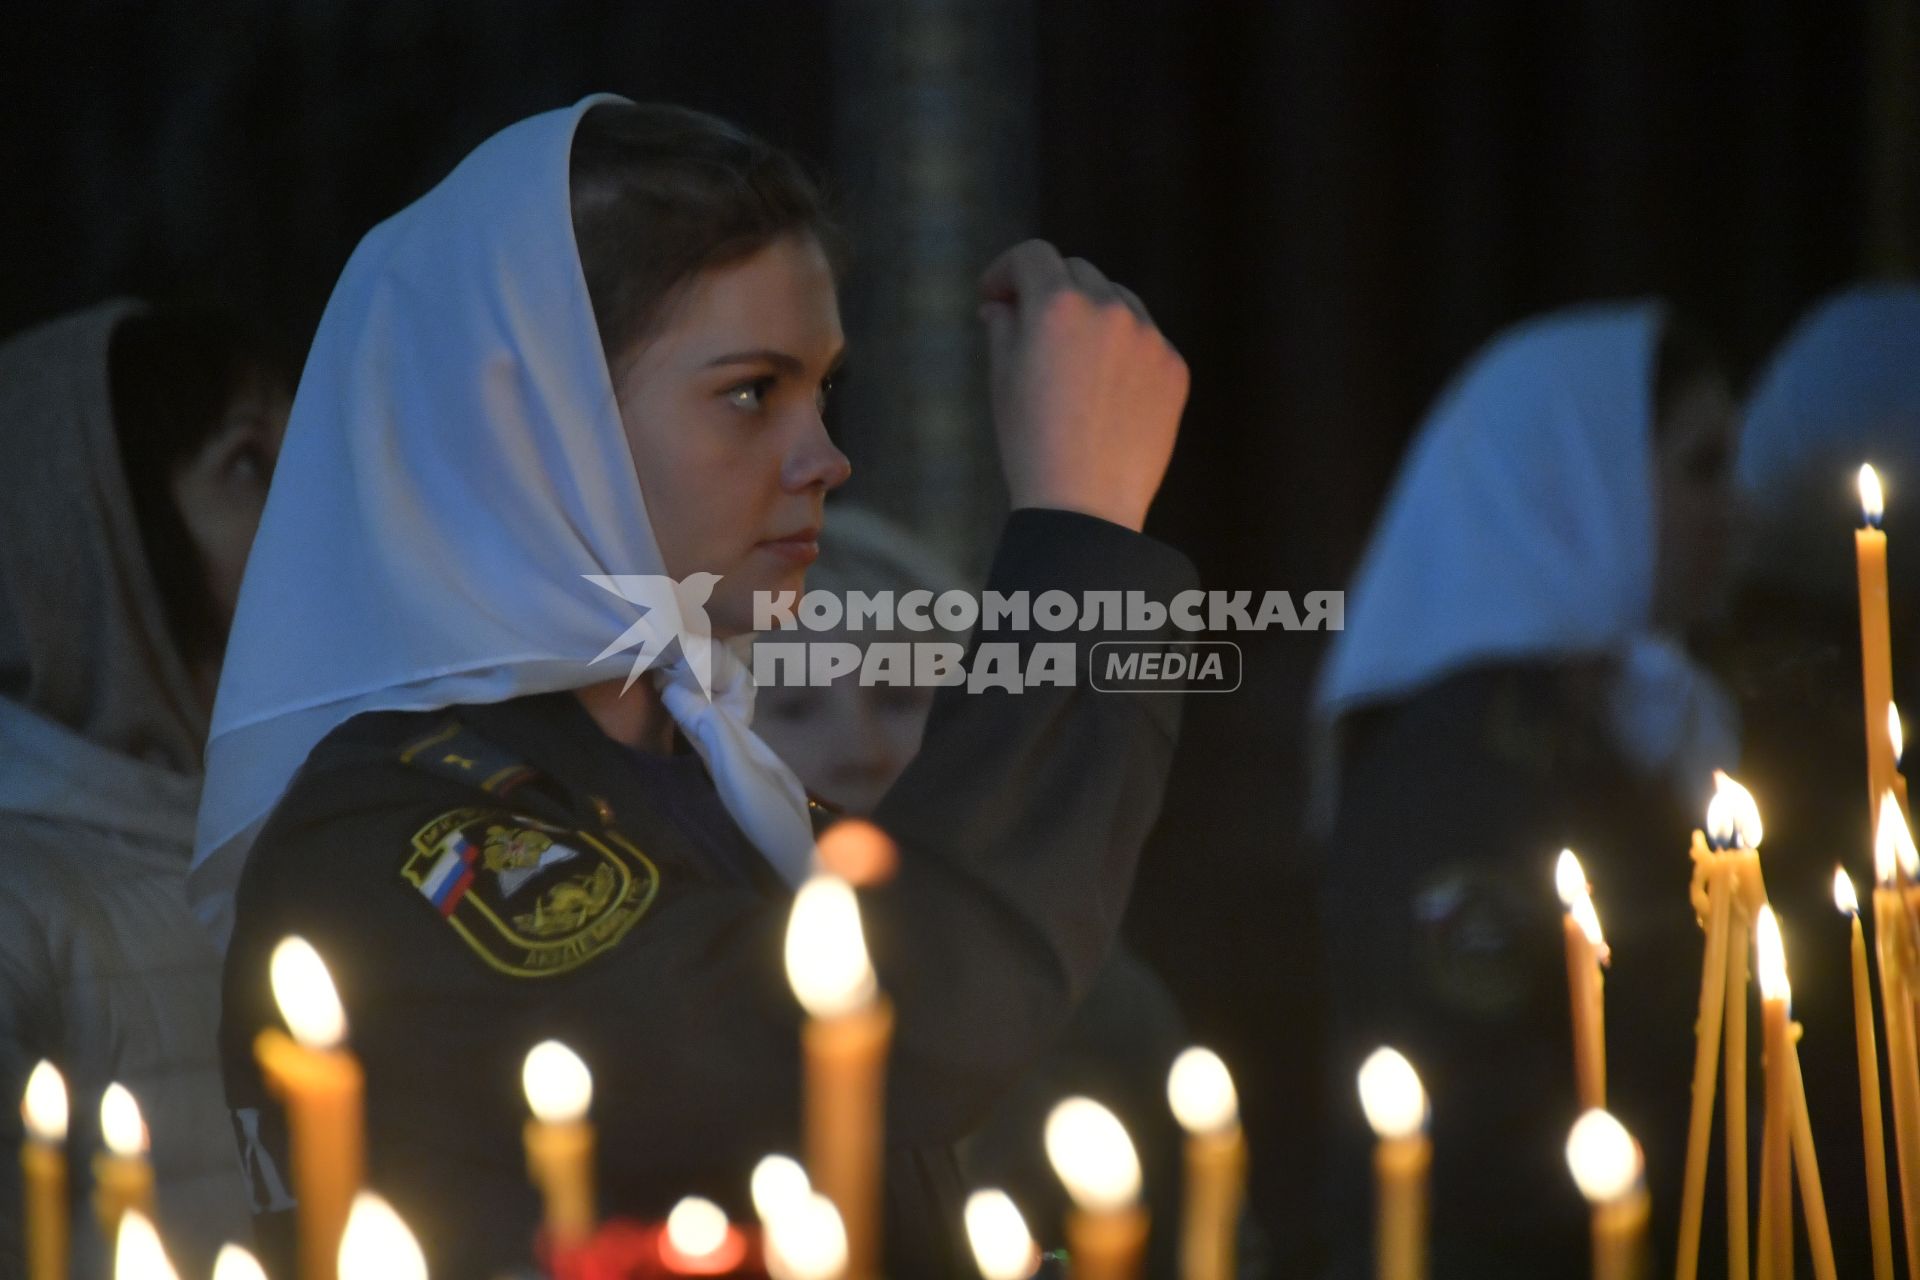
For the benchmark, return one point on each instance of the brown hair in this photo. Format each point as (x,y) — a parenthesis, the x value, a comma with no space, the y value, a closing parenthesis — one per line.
(661,193)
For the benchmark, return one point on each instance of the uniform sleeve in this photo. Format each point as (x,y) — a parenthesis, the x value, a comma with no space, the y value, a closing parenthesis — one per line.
(1019,826)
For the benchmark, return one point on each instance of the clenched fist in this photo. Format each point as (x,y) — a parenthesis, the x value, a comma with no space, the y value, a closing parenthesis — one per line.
(1086,393)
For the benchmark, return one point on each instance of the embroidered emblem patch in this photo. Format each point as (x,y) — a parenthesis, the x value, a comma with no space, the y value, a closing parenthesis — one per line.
(531,899)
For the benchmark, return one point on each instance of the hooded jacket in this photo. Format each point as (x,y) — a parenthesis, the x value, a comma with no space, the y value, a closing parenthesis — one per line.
(103,969)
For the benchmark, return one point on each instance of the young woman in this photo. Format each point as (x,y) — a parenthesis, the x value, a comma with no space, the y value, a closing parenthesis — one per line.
(601,347)
(140,443)
(1512,680)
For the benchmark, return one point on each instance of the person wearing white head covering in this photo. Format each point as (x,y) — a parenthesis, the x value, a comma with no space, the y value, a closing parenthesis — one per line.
(1842,388)
(426,737)
(139,442)
(1523,526)
(1511,680)
(1840,391)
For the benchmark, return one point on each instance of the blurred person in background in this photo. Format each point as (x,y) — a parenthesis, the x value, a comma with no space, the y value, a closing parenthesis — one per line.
(1512,679)
(139,444)
(1842,389)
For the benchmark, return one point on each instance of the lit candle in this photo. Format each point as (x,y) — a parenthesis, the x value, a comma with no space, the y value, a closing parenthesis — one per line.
(1396,1109)
(235,1263)
(1776,1169)
(1094,1158)
(1876,660)
(848,1030)
(699,1241)
(1586,952)
(806,1241)
(376,1244)
(559,1141)
(137,1251)
(1733,827)
(778,1184)
(1867,1052)
(122,1176)
(43,1162)
(1896,862)
(1706,1050)
(1806,1165)
(1003,1248)
(320,1084)
(858,852)
(1204,1101)
(1609,1170)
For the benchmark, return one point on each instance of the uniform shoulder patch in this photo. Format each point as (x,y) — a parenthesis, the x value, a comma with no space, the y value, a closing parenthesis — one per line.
(531,899)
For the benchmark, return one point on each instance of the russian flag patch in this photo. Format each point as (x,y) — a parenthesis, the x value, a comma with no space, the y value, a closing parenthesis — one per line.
(451,874)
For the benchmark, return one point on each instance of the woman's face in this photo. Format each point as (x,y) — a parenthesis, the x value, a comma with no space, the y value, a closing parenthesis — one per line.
(723,411)
(221,490)
(1699,506)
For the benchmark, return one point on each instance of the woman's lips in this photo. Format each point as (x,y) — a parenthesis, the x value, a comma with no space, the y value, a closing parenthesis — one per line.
(799,548)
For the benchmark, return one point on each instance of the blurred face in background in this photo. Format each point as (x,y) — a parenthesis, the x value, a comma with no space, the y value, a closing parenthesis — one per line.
(847,743)
(221,489)
(1698,506)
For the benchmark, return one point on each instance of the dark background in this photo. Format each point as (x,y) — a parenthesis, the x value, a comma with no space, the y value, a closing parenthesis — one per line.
(1327,205)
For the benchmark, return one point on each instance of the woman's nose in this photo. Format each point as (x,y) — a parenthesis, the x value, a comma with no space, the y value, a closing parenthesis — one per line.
(816,462)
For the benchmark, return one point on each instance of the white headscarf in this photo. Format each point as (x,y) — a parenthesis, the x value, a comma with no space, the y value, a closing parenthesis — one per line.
(1522,527)
(1843,389)
(1844,385)
(453,471)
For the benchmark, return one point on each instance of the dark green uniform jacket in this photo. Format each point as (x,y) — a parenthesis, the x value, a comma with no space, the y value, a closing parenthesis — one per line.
(549,882)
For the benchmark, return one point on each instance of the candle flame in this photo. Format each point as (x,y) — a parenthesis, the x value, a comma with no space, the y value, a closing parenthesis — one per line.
(137,1251)
(558,1086)
(1391,1095)
(303,989)
(1771,959)
(44,1105)
(858,852)
(1872,501)
(697,1228)
(779,1184)
(377,1245)
(807,1241)
(1843,895)
(1092,1154)
(1605,1160)
(1589,921)
(1893,851)
(1003,1248)
(827,950)
(1896,734)
(1569,878)
(1733,819)
(120,1123)
(235,1263)
(1200,1090)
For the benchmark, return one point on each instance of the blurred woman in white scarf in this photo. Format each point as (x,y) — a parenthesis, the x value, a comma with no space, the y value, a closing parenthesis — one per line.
(1514,679)
(140,443)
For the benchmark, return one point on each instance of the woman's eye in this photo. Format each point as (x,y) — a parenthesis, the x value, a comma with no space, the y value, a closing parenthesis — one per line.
(824,394)
(751,395)
(250,465)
